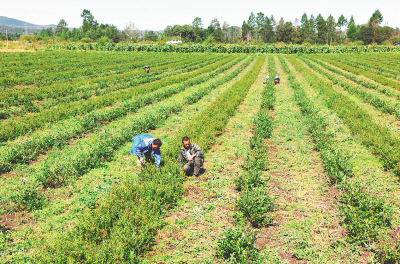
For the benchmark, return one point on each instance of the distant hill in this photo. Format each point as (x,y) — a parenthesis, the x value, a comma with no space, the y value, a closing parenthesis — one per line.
(21,27)
(6,21)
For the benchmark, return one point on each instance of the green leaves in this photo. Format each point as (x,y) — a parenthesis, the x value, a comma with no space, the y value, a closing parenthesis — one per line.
(364,214)
(237,246)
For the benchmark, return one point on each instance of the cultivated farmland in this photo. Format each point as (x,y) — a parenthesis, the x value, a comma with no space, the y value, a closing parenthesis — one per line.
(306,171)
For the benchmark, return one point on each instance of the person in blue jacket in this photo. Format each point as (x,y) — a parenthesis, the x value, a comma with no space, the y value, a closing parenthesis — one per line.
(145,145)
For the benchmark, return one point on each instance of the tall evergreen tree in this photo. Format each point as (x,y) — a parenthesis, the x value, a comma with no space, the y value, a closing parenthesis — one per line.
(342,22)
(331,28)
(322,29)
(251,23)
(376,19)
(352,31)
(61,26)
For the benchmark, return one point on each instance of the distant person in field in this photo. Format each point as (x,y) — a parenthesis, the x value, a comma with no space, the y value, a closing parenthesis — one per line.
(147,68)
(190,157)
(144,146)
(266,79)
(277,80)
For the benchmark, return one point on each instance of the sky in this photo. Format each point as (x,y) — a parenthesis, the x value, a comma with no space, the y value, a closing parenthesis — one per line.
(158,14)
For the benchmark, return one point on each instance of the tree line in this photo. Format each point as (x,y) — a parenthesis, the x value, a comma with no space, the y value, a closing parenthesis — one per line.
(260,28)
(257,29)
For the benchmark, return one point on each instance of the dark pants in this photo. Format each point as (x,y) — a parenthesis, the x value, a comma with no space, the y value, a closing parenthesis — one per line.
(194,165)
(146,156)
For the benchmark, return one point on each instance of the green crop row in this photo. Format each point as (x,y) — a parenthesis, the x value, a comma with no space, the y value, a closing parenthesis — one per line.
(363,213)
(14,128)
(353,67)
(381,62)
(99,86)
(17,59)
(89,61)
(377,137)
(363,82)
(23,151)
(89,153)
(227,48)
(124,223)
(369,66)
(46,79)
(65,64)
(17,96)
(253,203)
(391,60)
(380,102)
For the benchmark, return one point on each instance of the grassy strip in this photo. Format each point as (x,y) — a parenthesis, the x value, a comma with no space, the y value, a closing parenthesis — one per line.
(364,214)
(353,67)
(378,101)
(28,149)
(12,129)
(253,203)
(123,224)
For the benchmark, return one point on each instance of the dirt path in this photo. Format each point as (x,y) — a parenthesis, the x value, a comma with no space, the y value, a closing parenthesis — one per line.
(16,50)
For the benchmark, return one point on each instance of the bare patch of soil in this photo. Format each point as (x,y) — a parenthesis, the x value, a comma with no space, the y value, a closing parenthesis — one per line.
(8,221)
(16,50)
(364,257)
(286,256)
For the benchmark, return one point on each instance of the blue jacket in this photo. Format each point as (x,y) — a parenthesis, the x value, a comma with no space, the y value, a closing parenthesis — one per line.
(141,144)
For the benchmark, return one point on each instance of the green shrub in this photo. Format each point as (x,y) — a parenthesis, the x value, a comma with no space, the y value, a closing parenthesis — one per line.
(28,199)
(248,179)
(364,214)
(237,246)
(262,125)
(86,40)
(388,253)
(254,204)
(103,40)
(337,166)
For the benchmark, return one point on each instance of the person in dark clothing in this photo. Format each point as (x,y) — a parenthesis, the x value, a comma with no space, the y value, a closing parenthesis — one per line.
(147,68)
(190,157)
(277,80)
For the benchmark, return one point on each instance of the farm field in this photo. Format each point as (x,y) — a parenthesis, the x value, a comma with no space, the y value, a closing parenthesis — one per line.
(306,171)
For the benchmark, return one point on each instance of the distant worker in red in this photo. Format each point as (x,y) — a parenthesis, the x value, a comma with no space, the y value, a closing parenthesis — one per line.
(277,80)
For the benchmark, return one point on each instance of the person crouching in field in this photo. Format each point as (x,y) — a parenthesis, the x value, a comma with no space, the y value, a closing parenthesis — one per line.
(147,69)
(191,157)
(266,79)
(145,145)
(277,80)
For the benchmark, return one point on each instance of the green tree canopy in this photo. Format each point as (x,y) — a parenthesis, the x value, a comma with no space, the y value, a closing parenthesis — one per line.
(61,26)
(352,31)
(376,19)
(89,22)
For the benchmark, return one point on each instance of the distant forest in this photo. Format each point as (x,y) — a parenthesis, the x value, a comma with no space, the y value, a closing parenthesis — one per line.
(257,29)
